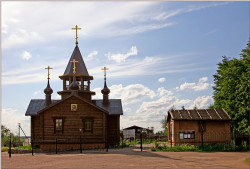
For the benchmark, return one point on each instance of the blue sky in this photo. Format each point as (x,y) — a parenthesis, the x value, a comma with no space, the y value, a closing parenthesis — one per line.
(159,54)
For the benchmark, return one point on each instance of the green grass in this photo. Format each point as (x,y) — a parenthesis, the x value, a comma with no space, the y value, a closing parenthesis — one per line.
(28,147)
(182,148)
(4,149)
(248,160)
(205,148)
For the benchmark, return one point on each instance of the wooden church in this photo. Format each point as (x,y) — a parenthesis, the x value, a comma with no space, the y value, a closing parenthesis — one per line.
(76,115)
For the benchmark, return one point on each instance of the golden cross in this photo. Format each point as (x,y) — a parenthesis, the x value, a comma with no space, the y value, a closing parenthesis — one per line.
(76,32)
(105,68)
(74,68)
(48,70)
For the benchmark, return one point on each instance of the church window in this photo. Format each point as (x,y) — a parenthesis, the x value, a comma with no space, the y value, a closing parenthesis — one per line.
(88,124)
(58,124)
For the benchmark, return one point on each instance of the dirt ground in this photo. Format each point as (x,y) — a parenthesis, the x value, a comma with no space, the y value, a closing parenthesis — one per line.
(127,158)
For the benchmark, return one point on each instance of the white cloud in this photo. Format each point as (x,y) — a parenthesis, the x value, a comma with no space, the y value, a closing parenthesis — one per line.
(202,102)
(33,73)
(26,55)
(199,7)
(119,57)
(58,96)
(132,67)
(162,79)
(153,112)
(37,92)
(20,37)
(90,56)
(166,15)
(11,117)
(138,29)
(163,91)
(211,32)
(122,18)
(4,29)
(130,94)
(201,85)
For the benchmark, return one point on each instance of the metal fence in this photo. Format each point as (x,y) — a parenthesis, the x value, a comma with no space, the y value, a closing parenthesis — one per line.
(143,143)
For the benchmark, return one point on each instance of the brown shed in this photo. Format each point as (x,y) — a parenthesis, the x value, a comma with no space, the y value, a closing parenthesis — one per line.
(195,126)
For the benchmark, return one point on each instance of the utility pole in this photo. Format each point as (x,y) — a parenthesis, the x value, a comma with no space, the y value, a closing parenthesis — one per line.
(19,131)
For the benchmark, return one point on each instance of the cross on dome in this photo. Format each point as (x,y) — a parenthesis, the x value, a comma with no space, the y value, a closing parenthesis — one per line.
(76,27)
(48,70)
(105,69)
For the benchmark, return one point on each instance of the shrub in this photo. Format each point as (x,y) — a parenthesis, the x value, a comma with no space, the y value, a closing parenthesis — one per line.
(248,160)
(28,147)
(4,149)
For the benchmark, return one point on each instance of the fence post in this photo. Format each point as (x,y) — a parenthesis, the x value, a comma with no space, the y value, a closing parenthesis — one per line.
(56,145)
(107,145)
(141,141)
(10,147)
(202,138)
(80,143)
(32,146)
(122,142)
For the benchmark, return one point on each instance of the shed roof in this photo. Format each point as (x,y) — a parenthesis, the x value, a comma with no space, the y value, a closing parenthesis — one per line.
(199,114)
(133,127)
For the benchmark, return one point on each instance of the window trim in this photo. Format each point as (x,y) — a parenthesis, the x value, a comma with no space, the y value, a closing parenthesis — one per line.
(54,120)
(187,134)
(83,124)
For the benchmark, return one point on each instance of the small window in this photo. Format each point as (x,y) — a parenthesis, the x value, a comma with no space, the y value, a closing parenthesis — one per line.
(181,136)
(88,124)
(58,124)
(187,135)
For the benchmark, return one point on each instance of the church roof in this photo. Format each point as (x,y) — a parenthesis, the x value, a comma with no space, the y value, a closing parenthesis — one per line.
(199,114)
(114,107)
(80,65)
(36,105)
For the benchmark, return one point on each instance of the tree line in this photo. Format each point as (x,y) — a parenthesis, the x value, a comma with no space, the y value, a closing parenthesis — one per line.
(231,91)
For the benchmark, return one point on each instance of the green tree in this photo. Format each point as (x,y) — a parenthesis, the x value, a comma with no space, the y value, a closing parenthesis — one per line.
(164,125)
(5,132)
(231,90)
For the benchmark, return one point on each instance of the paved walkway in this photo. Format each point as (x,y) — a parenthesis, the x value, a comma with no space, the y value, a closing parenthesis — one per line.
(127,159)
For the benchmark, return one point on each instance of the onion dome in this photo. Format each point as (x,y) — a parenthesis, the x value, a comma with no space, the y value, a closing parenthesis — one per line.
(74,85)
(48,90)
(105,90)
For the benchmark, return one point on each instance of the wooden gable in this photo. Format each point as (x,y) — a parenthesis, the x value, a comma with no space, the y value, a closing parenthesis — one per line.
(73,121)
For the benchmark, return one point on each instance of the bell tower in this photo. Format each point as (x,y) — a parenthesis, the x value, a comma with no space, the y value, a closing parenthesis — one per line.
(82,77)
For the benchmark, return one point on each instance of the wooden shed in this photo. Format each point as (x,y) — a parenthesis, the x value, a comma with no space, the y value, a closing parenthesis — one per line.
(200,125)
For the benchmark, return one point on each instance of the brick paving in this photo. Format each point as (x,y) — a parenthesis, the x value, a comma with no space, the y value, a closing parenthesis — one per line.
(127,158)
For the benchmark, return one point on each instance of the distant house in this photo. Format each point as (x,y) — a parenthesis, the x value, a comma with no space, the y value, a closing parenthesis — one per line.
(193,126)
(134,132)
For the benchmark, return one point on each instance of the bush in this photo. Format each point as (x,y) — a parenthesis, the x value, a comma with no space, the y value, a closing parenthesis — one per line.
(199,148)
(4,149)
(28,147)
